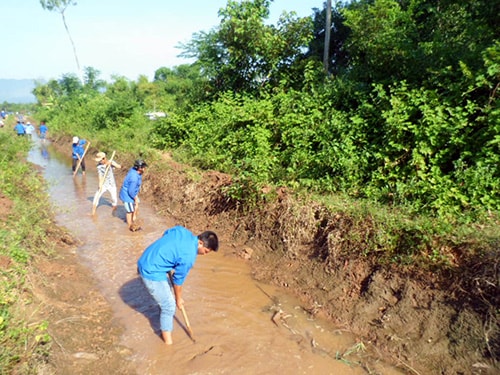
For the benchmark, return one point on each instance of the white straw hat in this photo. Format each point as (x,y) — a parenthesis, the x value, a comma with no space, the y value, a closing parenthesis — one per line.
(99,156)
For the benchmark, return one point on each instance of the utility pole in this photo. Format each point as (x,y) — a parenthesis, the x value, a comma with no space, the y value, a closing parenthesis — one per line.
(328,29)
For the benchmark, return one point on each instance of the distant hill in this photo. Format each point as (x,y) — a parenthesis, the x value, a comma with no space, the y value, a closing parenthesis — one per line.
(17,90)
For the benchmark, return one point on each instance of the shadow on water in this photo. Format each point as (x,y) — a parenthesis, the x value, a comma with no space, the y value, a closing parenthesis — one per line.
(135,295)
(44,151)
(120,211)
(80,185)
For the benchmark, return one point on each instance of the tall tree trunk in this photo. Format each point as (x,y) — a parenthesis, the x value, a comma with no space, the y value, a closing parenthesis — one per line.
(72,43)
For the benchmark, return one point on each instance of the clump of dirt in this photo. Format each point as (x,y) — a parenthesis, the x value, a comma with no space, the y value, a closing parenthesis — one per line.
(5,210)
(5,207)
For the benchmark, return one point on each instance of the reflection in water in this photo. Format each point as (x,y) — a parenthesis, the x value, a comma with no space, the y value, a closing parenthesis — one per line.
(80,184)
(44,152)
(228,311)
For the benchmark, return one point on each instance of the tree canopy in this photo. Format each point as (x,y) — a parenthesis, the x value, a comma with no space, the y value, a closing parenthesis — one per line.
(407,114)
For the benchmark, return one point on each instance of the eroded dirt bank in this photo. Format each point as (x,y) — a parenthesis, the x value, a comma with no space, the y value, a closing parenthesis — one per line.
(421,321)
(426,323)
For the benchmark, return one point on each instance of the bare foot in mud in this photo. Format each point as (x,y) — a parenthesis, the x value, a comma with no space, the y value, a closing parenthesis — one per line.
(135,228)
(167,337)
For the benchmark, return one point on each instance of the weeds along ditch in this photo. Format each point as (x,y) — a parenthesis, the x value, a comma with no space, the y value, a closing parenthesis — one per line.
(25,229)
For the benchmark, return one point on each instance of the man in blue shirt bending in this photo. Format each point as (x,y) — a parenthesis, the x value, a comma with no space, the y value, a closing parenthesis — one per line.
(175,251)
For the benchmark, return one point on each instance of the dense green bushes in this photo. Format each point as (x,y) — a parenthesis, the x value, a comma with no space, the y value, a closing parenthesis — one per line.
(408,120)
(402,147)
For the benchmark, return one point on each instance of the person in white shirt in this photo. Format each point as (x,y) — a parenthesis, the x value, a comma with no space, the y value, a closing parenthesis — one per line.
(106,180)
(29,129)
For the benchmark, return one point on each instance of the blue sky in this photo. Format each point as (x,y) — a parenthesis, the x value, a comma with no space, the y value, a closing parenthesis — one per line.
(118,37)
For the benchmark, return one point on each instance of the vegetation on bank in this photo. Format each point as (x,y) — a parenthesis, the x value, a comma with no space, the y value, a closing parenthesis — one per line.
(23,234)
(401,134)
(13,108)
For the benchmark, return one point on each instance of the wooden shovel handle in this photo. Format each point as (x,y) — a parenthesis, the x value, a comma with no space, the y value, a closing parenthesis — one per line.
(80,160)
(107,170)
(184,314)
(188,326)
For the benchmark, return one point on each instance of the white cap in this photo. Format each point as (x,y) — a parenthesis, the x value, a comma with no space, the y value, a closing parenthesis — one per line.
(75,139)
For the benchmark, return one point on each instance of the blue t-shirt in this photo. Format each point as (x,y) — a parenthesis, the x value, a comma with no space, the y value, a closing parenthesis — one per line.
(19,128)
(176,249)
(131,186)
(78,149)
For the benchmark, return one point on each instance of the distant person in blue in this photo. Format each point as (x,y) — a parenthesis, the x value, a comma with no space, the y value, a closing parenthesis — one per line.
(19,128)
(77,154)
(42,131)
(129,193)
(175,252)
(3,114)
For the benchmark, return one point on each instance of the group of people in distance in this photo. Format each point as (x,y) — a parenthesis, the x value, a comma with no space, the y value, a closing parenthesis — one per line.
(164,264)
(23,128)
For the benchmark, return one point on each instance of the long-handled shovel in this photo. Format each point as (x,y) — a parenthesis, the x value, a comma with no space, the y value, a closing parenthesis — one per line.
(80,160)
(94,206)
(184,314)
(188,326)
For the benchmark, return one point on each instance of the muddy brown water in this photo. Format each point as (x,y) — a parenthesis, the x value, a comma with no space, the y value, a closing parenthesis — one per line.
(231,315)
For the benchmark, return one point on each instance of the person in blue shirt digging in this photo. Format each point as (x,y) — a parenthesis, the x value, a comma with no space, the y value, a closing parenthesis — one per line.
(175,252)
(78,154)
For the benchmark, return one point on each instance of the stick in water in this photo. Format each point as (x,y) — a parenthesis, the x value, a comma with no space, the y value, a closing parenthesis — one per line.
(188,326)
(184,314)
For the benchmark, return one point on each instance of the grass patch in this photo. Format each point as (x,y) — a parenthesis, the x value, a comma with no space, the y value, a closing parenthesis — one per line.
(397,235)
(24,222)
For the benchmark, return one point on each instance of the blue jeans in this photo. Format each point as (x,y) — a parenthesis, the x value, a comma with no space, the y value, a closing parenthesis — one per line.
(161,293)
